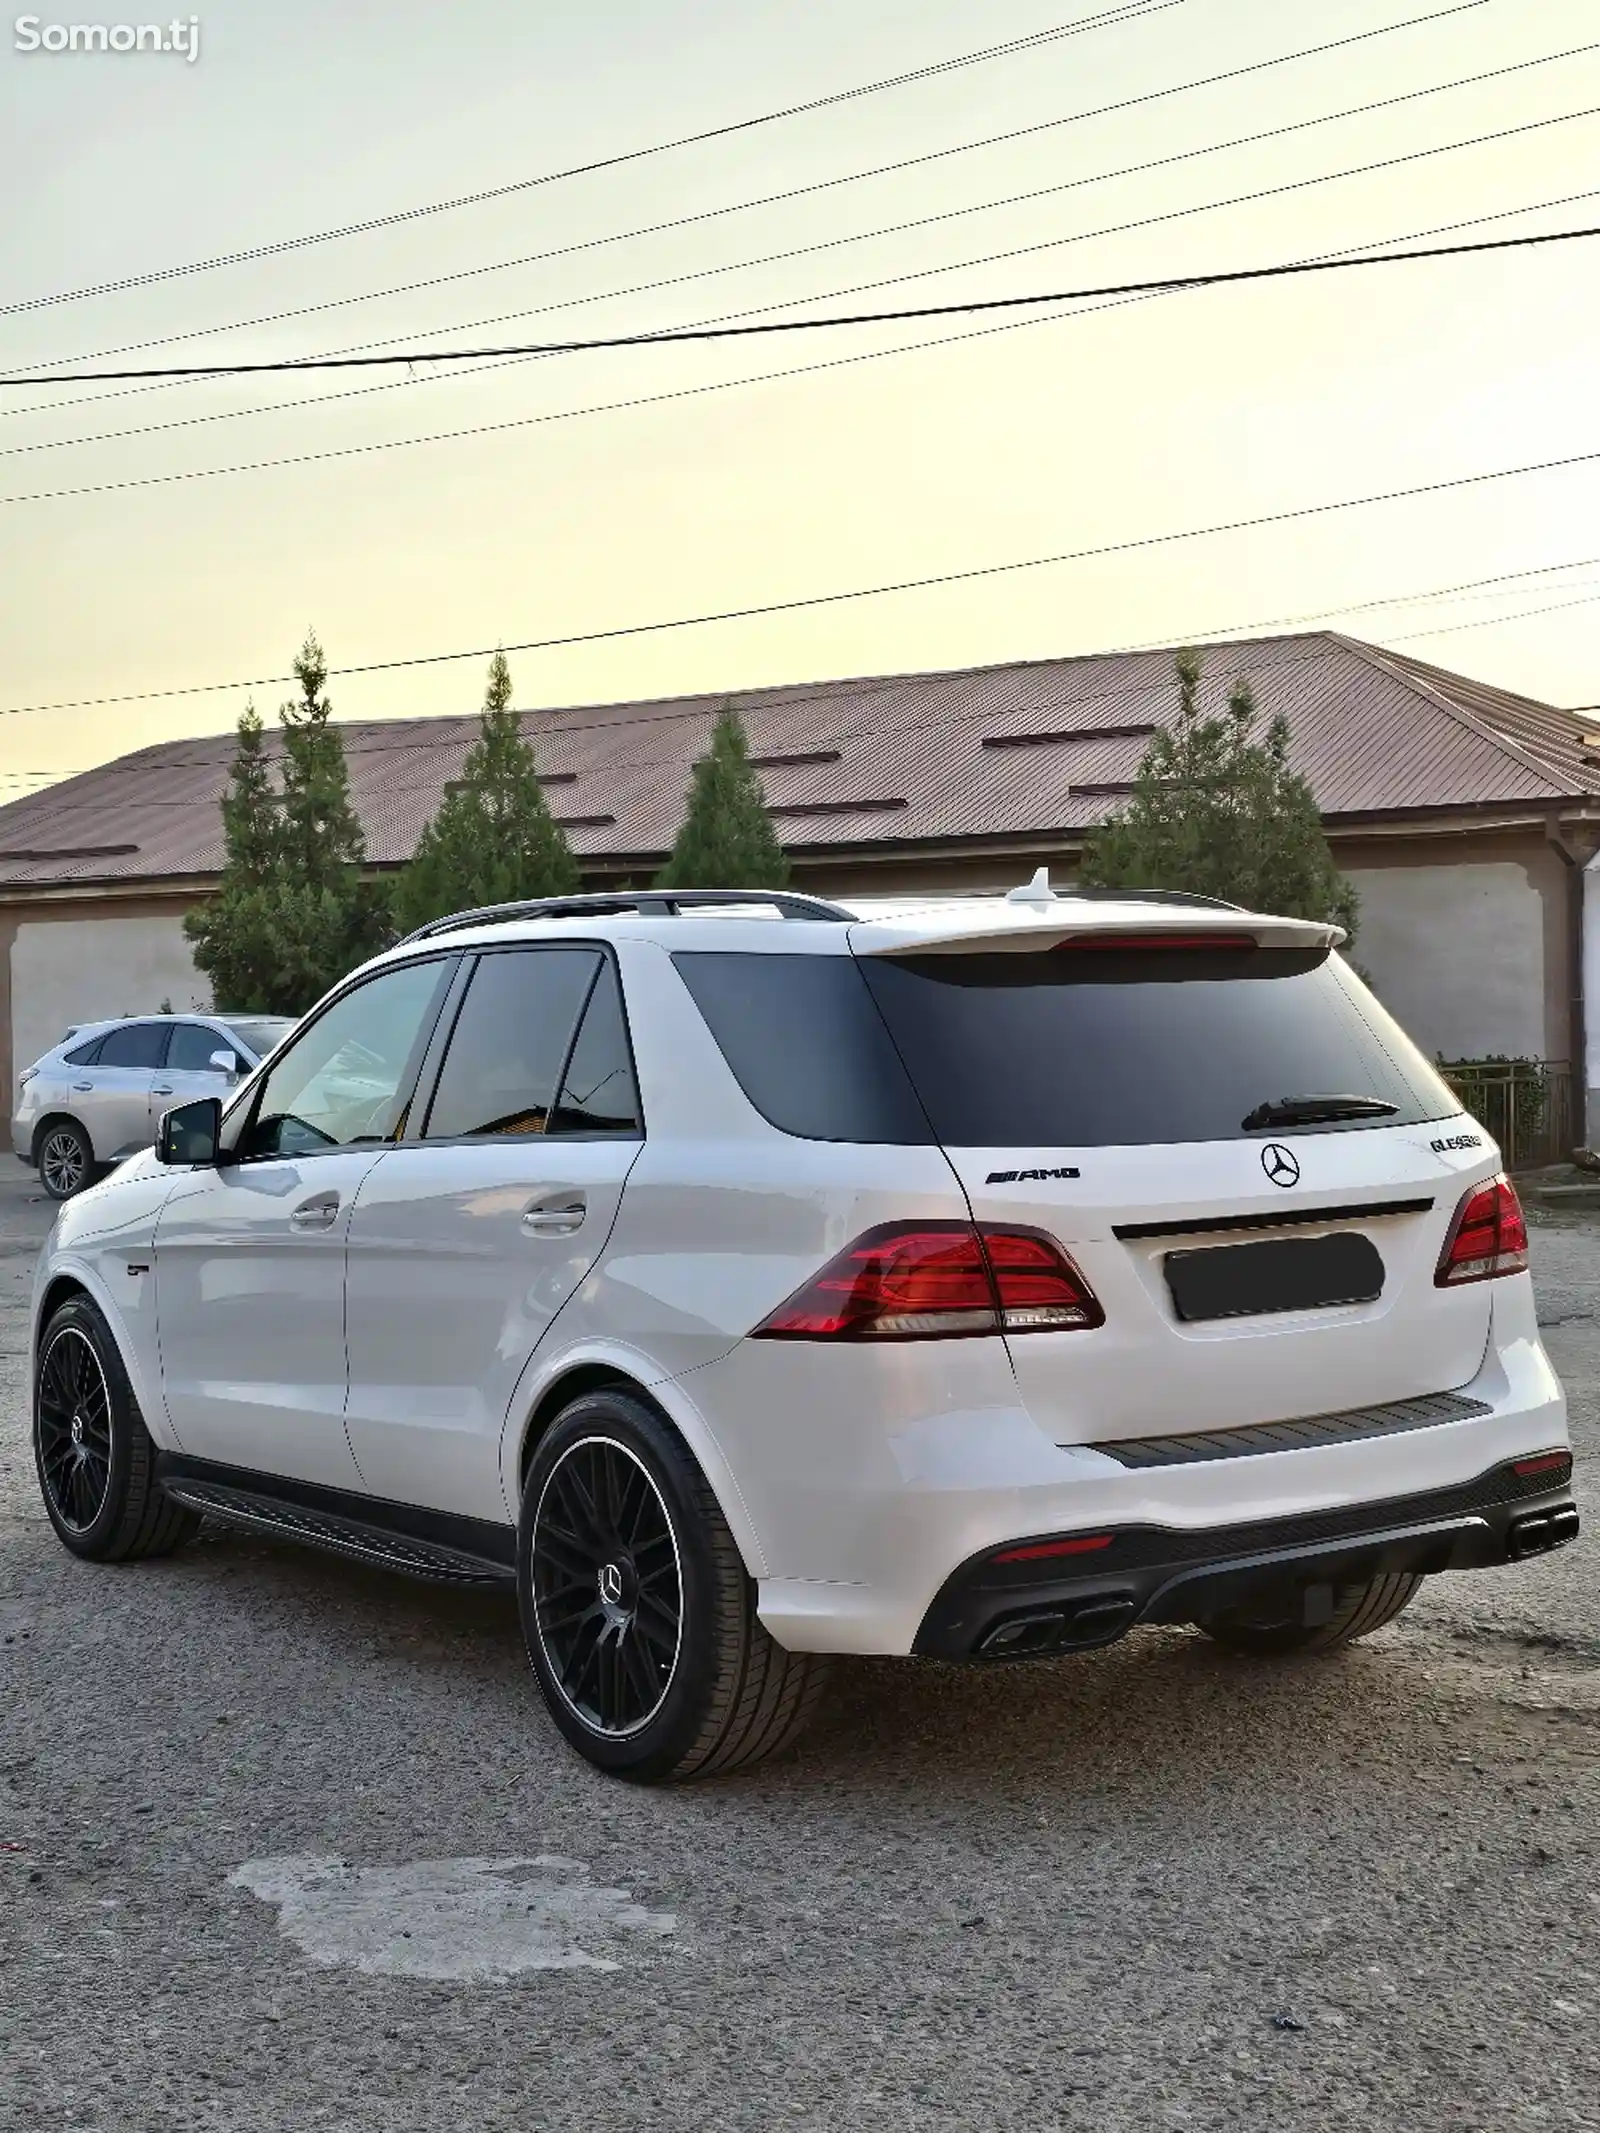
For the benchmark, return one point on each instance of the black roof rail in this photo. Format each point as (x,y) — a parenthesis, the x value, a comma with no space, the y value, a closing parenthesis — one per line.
(647,903)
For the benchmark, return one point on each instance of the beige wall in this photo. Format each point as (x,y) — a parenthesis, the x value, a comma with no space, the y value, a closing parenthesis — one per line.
(78,968)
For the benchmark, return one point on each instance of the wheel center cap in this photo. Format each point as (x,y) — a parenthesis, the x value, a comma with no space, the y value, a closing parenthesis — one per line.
(610,1582)
(77,1431)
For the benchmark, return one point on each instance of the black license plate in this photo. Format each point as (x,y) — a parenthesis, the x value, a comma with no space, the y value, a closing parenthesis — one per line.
(1279,1274)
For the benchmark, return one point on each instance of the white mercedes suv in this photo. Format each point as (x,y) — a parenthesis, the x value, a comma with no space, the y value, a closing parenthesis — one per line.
(745,1279)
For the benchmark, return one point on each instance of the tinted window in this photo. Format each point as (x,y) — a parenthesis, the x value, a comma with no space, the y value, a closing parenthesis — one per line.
(136,1044)
(86,1054)
(510,1042)
(1106,1048)
(597,1092)
(346,1078)
(806,1044)
(191,1048)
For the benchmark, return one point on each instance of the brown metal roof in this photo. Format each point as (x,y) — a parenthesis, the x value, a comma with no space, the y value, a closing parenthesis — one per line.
(906,759)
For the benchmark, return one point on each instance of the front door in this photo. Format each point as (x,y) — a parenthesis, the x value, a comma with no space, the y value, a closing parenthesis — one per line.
(469,1238)
(189,1072)
(250,1256)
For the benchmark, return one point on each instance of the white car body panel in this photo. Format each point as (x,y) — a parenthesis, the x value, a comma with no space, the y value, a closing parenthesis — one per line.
(252,1314)
(449,1291)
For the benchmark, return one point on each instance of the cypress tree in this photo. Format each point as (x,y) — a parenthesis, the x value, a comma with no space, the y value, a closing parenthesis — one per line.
(727,839)
(292,913)
(1218,812)
(494,840)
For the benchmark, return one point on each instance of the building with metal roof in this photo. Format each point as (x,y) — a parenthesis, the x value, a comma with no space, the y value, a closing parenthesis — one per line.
(1466,815)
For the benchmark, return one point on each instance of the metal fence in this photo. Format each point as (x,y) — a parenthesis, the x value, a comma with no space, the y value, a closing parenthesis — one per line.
(1525,1103)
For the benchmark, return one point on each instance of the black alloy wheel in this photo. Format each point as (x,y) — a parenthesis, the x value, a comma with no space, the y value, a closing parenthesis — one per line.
(95,1458)
(74,1429)
(607,1586)
(637,1609)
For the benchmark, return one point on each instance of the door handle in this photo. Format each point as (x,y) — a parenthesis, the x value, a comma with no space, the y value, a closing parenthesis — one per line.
(82,1088)
(558,1214)
(320,1212)
(162,1088)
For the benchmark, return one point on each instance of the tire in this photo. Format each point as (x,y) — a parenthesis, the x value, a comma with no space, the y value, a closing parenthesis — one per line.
(637,1610)
(65,1160)
(1263,1632)
(92,1453)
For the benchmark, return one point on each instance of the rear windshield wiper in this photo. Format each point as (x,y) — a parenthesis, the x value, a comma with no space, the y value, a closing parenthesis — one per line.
(1315,1111)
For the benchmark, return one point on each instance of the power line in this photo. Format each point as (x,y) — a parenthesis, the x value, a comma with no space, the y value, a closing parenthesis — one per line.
(790,371)
(834,599)
(673,335)
(1484,622)
(956,214)
(653,229)
(276,407)
(1224,630)
(1107,18)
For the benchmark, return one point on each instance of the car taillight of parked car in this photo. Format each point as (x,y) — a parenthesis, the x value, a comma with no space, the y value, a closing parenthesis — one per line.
(1488,1237)
(938,1281)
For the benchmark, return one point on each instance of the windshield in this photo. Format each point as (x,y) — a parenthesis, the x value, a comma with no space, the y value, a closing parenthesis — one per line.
(1132,1046)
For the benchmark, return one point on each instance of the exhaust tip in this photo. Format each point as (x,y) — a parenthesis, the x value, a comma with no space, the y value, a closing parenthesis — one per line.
(1541,1531)
(1059,1629)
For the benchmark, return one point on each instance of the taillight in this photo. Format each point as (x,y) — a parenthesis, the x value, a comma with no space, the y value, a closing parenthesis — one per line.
(1487,1238)
(939,1280)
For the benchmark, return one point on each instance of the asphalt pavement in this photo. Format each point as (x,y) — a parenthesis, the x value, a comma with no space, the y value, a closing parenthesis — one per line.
(285,1844)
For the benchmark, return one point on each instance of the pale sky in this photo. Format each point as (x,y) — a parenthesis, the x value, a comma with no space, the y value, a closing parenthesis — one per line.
(1138,419)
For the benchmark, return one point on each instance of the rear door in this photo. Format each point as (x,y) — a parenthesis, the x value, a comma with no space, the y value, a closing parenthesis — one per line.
(468,1238)
(1112,1096)
(113,1097)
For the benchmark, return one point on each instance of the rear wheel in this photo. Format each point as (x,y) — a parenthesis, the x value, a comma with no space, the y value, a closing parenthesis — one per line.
(66,1159)
(93,1454)
(637,1609)
(1273,1629)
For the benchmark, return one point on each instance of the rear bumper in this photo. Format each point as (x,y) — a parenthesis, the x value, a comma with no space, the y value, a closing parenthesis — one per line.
(996,1610)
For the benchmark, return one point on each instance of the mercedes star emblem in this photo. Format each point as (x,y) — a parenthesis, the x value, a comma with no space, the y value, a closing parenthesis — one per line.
(1280,1164)
(610,1584)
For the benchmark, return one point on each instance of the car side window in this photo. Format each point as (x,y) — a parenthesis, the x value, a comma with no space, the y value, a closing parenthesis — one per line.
(598,1091)
(348,1077)
(86,1054)
(191,1048)
(136,1044)
(510,1042)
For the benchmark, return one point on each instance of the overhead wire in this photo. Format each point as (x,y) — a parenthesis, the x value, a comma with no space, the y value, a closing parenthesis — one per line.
(1107,18)
(1128,546)
(771,199)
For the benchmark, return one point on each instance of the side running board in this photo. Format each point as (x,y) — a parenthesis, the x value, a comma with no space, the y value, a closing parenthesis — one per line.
(333,1524)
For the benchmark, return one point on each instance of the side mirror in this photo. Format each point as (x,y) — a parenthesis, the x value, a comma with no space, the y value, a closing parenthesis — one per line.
(225,1062)
(191,1134)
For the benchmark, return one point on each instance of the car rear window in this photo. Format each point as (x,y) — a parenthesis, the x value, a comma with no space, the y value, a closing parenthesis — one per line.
(1110,1047)
(806,1044)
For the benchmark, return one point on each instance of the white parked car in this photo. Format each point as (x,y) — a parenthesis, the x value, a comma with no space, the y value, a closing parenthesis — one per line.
(751,1280)
(100,1093)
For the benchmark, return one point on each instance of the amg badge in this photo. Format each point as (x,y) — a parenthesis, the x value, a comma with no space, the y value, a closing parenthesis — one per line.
(1027,1177)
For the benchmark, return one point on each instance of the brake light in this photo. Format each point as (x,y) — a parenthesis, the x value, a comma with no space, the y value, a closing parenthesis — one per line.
(1037,1551)
(935,1281)
(1085,941)
(1488,1237)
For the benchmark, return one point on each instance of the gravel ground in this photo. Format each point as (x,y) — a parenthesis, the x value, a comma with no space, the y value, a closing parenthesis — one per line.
(1149,1888)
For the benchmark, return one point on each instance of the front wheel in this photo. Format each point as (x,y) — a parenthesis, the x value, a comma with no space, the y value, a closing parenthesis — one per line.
(93,1454)
(638,1612)
(1273,1630)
